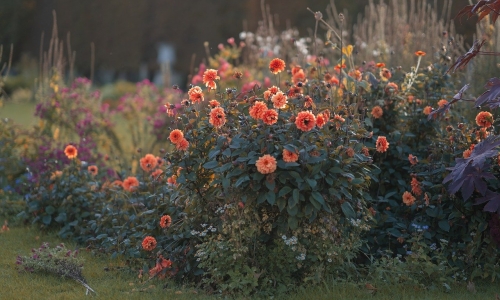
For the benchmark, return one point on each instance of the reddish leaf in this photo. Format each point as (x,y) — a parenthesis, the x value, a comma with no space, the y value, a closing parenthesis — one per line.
(468,174)
(442,110)
(481,9)
(490,98)
(463,60)
(492,200)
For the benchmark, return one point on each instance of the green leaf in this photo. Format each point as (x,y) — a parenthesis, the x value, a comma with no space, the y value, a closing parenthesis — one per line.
(444,225)
(285,190)
(312,183)
(357,181)
(61,218)
(271,197)
(295,196)
(211,164)
(394,232)
(318,197)
(292,210)
(241,180)
(46,219)
(347,210)
(50,209)
(281,203)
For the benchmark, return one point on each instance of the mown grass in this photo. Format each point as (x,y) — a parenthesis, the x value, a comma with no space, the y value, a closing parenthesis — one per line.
(20,113)
(112,284)
(122,284)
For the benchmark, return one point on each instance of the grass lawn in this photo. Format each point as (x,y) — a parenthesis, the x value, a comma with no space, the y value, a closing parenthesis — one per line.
(116,284)
(21,113)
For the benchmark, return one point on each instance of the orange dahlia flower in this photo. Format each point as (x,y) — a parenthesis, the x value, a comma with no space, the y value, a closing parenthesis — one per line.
(149,243)
(484,119)
(71,151)
(92,170)
(279,100)
(380,65)
(289,156)
(408,198)
(412,159)
(117,183)
(217,117)
(391,88)
(257,110)
(442,103)
(266,164)
(382,144)
(299,76)
(427,110)
(209,78)
(165,221)
(276,66)
(130,184)
(321,120)
(176,136)
(195,94)
(350,152)
(183,145)
(270,116)
(156,174)
(386,73)
(420,53)
(161,263)
(148,162)
(377,112)
(305,121)
(214,103)
(415,187)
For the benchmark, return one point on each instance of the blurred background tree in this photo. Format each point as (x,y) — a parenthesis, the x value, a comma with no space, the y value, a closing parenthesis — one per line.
(127,33)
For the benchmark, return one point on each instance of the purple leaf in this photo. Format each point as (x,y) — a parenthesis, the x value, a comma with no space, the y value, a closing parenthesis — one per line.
(490,98)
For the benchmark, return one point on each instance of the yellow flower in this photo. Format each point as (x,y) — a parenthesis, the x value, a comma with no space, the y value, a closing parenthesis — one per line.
(347,50)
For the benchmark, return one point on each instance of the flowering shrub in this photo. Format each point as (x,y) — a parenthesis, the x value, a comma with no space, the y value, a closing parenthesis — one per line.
(281,171)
